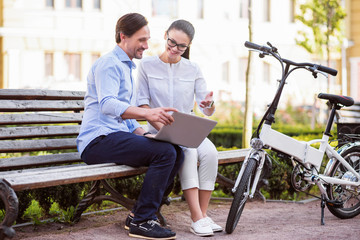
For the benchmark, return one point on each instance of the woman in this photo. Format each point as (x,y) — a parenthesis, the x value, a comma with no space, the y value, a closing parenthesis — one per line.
(172,80)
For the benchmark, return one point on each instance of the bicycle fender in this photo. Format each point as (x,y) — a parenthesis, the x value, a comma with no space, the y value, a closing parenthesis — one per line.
(347,146)
(342,149)
(256,155)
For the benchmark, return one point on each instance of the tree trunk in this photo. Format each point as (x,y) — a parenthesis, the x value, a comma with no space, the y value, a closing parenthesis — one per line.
(248,120)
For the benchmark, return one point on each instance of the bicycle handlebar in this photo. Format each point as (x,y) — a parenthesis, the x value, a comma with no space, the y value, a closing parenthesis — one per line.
(257,47)
(312,67)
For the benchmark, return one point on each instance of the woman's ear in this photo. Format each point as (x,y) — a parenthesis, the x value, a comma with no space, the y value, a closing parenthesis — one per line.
(165,35)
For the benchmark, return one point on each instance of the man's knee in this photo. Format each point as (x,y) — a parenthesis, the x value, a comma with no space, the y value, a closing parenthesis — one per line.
(168,153)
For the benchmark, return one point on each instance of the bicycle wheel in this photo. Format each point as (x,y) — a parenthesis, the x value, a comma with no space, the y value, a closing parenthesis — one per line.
(238,203)
(348,195)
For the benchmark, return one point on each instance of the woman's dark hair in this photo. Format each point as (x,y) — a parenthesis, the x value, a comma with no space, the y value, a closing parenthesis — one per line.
(129,24)
(188,29)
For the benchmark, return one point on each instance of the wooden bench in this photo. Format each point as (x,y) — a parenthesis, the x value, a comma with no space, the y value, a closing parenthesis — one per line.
(34,120)
(348,123)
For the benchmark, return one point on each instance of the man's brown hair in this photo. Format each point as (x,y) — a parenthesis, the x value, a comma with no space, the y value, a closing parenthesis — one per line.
(129,24)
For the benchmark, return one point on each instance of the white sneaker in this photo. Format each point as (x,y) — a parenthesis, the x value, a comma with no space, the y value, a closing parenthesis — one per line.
(201,228)
(213,225)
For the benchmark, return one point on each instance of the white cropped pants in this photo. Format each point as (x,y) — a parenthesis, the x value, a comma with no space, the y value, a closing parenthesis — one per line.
(203,176)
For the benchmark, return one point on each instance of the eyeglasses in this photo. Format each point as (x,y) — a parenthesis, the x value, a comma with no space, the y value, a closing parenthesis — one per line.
(173,43)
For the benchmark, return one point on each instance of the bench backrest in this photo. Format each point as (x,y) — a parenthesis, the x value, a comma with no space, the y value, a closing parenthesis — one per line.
(34,123)
(348,120)
(350,114)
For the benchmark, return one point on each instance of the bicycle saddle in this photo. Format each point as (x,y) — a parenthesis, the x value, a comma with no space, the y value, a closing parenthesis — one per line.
(337,99)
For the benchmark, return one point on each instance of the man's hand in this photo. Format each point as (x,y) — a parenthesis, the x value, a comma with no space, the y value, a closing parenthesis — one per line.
(160,115)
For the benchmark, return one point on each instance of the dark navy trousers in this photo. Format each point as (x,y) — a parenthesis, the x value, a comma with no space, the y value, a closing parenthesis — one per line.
(162,159)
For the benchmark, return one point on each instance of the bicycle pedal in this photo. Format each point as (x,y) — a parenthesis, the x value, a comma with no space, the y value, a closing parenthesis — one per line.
(335,203)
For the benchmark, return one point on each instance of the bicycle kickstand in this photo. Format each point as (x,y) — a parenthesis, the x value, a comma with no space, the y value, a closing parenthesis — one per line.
(322,209)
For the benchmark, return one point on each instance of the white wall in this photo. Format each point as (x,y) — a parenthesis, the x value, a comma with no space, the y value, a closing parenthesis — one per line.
(31,29)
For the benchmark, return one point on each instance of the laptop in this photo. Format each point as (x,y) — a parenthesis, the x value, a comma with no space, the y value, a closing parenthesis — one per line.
(187,130)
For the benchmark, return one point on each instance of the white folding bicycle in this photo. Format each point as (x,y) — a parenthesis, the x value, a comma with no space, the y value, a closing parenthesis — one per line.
(338,181)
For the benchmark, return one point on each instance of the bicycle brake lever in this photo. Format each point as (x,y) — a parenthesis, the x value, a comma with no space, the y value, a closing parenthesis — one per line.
(273,49)
(322,73)
(315,72)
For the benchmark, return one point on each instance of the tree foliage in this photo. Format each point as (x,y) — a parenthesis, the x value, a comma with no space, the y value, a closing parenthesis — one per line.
(324,20)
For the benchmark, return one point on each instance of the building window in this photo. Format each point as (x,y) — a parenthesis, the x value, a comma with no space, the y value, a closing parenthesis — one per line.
(292,11)
(200,9)
(267,10)
(49,3)
(97,4)
(72,66)
(167,8)
(266,72)
(73,3)
(49,64)
(94,57)
(226,72)
(244,9)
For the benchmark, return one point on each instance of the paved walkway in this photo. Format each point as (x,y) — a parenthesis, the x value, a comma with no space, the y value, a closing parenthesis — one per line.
(271,220)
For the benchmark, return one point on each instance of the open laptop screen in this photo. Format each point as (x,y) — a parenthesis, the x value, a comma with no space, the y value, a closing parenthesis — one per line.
(187,130)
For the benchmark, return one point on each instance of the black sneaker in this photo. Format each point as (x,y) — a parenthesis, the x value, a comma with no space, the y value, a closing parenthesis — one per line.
(128,220)
(150,230)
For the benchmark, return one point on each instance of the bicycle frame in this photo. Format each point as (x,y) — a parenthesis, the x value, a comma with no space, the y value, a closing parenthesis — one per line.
(301,152)
(338,182)
(309,156)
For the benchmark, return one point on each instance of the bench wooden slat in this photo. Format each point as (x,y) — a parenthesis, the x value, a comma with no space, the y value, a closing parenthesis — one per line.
(36,94)
(41,105)
(350,113)
(38,131)
(37,145)
(26,161)
(232,156)
(38,118)
(70,174)
(53,169)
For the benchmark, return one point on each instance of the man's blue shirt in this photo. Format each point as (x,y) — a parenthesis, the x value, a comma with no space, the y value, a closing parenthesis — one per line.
(110,91)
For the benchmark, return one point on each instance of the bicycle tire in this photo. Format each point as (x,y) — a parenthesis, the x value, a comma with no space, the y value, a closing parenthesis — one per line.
(351,206)
(238,203)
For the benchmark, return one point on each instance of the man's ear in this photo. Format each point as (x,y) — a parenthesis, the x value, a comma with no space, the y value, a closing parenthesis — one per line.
(122,36)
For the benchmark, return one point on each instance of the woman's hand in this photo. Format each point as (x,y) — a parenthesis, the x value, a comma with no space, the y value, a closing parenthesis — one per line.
(208,102)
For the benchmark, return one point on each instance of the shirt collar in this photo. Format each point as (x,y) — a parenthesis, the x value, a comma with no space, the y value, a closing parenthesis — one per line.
(122,56)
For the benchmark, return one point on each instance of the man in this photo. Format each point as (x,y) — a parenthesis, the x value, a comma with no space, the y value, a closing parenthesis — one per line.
(110,133)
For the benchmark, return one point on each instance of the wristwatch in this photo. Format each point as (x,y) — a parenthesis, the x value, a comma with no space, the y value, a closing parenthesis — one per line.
(146,133)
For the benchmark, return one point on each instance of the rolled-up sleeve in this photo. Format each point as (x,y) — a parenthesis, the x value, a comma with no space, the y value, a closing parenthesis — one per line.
(200,88)
(108,84)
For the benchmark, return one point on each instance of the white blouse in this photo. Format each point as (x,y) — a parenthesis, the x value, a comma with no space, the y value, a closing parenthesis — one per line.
(170,85)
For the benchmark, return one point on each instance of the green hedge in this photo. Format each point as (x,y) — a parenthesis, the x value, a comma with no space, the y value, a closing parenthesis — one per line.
(228,137)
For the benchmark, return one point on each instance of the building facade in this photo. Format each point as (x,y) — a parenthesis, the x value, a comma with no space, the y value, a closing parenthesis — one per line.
(52,43)
(351,50)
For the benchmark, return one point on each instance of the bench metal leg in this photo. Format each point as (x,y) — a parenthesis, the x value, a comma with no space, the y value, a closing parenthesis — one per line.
(114,196)
(86,201)
(93,197)
(10,200)
(222,180)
